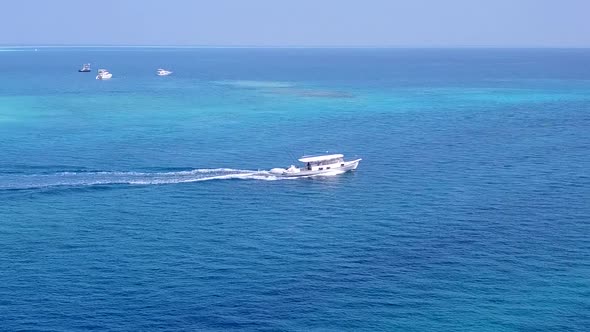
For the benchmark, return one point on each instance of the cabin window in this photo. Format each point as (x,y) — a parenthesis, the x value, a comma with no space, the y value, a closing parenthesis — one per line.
(321,168)
(327,167)
(341,165)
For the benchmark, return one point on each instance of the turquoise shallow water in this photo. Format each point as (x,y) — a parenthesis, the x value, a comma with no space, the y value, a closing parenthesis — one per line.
(138,203)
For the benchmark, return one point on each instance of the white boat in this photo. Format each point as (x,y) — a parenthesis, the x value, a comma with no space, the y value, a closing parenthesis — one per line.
(85,68)
(163,72)
(103,74)
(330,164)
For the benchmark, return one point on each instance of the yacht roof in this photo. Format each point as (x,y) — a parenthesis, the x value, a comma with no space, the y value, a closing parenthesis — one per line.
(320,158)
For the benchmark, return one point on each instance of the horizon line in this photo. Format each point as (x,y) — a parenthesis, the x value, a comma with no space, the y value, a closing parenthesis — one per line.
(27,46)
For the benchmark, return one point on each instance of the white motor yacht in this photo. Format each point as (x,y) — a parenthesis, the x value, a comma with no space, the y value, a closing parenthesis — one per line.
(163,72)
(103,74)
(85,68)
(330,164)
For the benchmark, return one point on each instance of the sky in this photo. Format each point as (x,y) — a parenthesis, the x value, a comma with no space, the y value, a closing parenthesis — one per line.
(306,23)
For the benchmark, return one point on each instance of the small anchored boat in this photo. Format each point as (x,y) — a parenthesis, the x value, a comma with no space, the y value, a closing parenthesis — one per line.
(330,164)
(85,68)
(163,72)
(103,74)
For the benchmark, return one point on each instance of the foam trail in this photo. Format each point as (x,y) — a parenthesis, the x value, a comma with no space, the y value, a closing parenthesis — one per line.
(80,179)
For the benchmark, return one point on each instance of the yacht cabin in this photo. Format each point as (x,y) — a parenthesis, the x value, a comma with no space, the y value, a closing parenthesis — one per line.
(321,163)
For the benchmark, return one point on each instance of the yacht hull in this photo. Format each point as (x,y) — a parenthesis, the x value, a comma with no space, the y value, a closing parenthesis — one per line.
(348,166)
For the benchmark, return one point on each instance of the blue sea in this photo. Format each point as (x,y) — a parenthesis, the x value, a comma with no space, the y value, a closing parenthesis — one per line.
(143,203)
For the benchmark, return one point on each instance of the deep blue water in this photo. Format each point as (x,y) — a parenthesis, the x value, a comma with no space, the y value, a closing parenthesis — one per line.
(137,203)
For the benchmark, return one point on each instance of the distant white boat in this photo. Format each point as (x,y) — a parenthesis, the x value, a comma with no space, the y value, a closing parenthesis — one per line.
(85,68)
(163,72)
(103,74)
(318,165)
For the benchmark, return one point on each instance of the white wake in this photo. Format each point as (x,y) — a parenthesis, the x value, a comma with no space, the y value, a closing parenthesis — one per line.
(81,178)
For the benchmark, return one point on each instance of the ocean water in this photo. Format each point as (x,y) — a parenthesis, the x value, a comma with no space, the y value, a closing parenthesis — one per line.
(142,203)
